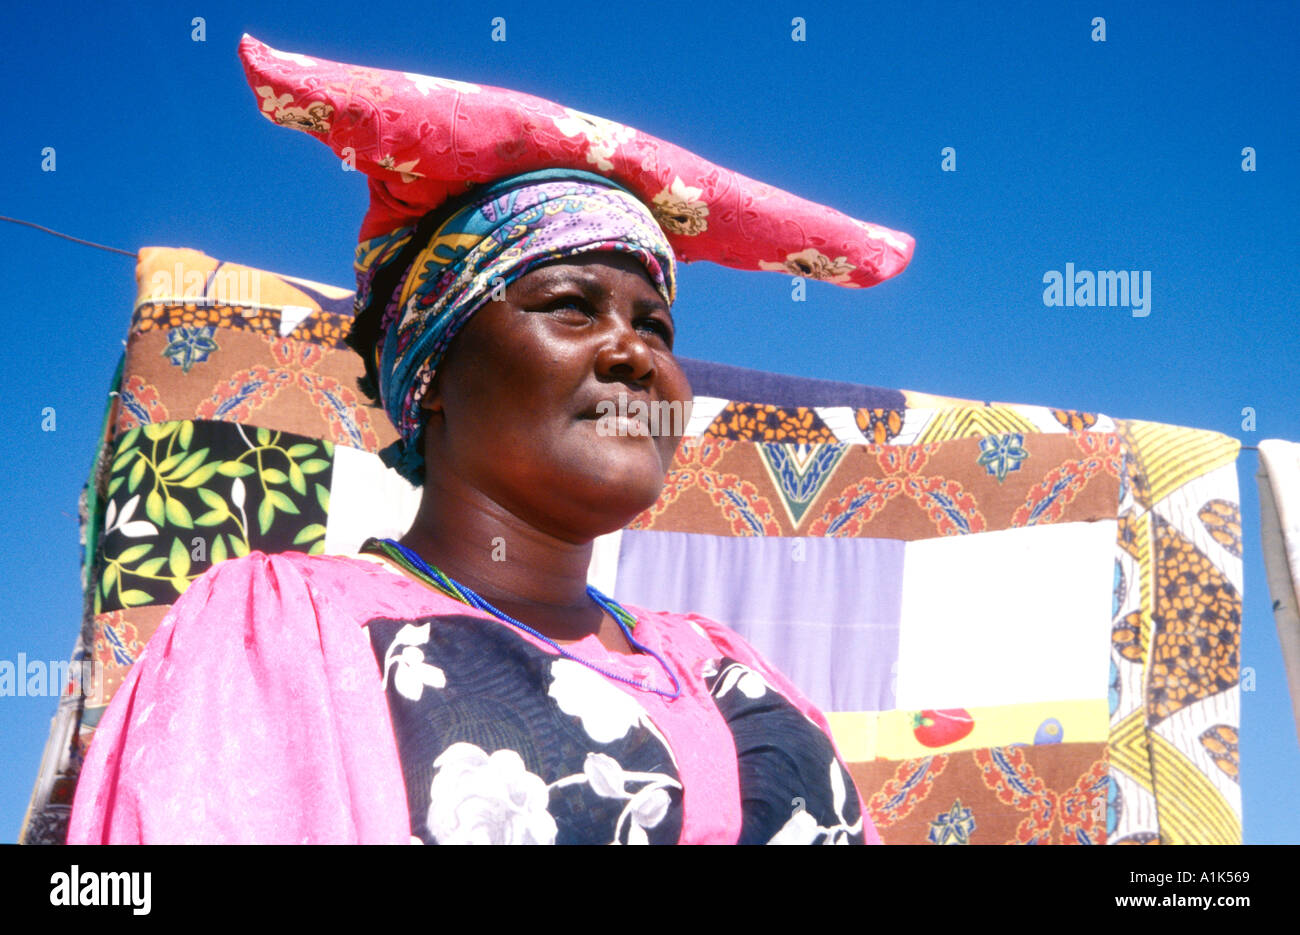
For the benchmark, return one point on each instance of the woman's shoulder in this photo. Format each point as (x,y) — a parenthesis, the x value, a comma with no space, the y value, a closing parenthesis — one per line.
(258,564)
(356,586)
(253,688)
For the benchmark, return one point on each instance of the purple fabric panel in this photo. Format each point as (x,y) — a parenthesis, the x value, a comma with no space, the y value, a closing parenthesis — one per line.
(828,622)
(777,389)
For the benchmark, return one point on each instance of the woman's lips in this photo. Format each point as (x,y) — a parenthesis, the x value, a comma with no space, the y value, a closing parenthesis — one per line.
(639,415)
(614,424)
(621,417)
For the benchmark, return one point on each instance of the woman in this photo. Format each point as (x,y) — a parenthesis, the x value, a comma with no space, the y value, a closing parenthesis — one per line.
(465,684)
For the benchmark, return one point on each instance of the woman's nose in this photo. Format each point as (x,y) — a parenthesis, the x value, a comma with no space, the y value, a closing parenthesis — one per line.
(624,353)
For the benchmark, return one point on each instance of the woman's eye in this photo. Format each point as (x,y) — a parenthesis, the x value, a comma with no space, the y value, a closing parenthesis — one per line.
(569,305)
(661,328)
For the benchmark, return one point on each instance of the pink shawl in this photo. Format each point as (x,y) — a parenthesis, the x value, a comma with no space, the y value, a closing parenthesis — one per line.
(256,714)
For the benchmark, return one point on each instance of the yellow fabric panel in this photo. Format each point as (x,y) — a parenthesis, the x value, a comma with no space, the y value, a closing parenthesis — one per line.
(890,735)
(917,400)
(1129,750)
(156,272)
(1192,810)
(1171,455)
(971,421)
(165,273)
(854,733)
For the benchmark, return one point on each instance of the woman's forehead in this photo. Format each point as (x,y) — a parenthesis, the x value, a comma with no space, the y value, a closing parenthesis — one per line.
(595,272)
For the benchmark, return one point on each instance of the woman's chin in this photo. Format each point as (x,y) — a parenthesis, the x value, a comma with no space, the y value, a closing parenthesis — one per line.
(614,492)
(623,502)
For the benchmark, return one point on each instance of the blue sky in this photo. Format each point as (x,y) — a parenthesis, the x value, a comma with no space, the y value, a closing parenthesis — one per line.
(1123,154)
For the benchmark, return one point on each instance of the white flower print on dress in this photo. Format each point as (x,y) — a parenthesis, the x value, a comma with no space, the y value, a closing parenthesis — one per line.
(607,714)
(405,662)
(748,682)
(802,828)
(645,808)
(480,799)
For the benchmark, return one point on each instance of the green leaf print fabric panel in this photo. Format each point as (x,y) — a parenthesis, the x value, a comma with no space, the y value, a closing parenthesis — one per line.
(184,495)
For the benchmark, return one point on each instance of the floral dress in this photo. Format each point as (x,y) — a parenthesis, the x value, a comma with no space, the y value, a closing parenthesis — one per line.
(355,704)
(502,741)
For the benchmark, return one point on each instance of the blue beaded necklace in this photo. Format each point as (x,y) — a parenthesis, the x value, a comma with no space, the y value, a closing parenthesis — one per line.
(432,576)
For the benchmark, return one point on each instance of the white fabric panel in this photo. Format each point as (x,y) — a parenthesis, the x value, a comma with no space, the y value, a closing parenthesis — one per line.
(602,573)
(703,411)
(843,422)
(1279,507)
(291,316)
(366,499)
(1185,726)
(1007,617)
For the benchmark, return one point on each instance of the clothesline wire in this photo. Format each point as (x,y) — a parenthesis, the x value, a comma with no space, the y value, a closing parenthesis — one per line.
(88,243)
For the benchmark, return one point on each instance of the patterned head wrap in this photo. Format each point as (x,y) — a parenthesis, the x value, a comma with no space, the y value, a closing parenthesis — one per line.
(417,286)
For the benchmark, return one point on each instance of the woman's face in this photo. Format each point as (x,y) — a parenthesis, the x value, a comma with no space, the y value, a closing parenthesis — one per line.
(526,404)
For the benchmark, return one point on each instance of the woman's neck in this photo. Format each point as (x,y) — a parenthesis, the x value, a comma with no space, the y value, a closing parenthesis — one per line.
(534,576)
